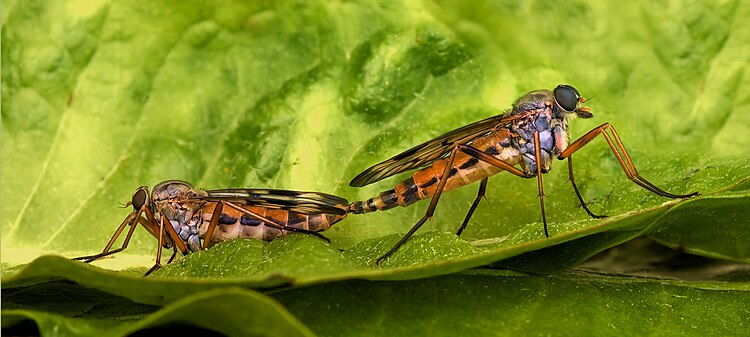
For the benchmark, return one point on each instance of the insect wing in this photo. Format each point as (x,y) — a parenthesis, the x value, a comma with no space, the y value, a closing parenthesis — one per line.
(295,201)
(426,153)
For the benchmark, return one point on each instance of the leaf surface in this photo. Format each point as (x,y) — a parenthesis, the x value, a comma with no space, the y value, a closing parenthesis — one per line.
(101,97)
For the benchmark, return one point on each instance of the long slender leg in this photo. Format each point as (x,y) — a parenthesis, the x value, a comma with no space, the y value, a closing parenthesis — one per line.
(157,264)
(150,227)
(130,220)
(174,253)
(474,152)
(275,224)
(575,188)
(207,239)
(164,224)
(623,159)
(105,251)
(538,158)
(480,195)
(177,243)
(176,239)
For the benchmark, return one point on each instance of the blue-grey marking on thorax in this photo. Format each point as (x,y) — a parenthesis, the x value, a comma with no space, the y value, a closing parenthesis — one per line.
(524,143)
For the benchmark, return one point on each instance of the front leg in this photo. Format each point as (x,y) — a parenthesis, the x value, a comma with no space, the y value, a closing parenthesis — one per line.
(623,159)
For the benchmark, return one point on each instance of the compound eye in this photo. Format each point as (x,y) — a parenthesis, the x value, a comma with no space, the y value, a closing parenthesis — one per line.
(567,97)
(140,197)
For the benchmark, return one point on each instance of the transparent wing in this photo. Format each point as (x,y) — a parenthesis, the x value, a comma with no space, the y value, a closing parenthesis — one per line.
(295,201)
(426,153)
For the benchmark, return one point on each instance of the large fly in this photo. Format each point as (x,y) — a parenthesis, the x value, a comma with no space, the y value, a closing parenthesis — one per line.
(529,135)
(180,216)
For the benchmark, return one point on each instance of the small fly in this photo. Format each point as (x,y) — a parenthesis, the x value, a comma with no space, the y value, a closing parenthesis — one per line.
(529,135)
(180,216)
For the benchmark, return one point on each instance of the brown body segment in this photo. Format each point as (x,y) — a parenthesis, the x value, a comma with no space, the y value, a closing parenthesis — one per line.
(233,224)
(465,170)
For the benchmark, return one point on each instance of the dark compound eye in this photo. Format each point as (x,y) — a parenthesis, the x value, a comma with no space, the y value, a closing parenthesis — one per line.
(140,197)
(567,97)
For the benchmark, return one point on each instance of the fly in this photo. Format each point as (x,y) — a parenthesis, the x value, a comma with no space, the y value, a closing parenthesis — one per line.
(528,136)
(180,216)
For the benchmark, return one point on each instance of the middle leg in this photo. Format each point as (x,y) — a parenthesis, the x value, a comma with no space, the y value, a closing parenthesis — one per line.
(471,151)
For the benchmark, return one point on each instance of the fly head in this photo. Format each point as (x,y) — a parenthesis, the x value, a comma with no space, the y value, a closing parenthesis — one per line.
(568,99)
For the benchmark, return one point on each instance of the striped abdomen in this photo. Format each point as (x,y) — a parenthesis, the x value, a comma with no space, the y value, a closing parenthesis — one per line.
(465,170)
(234,224)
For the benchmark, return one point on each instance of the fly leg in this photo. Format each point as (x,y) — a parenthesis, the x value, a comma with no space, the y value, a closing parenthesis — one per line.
(472,151)
(207,239)
(176,239)
(157,264)
(575,188)
(174,253)
(538,158)
(130,220)
(165,225)
(133,220)
(623,159)
(480,195)
(275,224)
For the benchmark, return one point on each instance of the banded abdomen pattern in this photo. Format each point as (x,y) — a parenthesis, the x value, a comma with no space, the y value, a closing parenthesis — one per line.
(234,224)
(465,170)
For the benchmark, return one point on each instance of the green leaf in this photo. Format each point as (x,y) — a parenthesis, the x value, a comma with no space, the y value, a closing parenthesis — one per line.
(481,302)
(239,95)
(644,257)
(493,303)
(708,227)
(229,311)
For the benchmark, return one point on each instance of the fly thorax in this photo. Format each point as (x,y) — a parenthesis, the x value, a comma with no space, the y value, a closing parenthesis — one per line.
(524,142)
(180,204)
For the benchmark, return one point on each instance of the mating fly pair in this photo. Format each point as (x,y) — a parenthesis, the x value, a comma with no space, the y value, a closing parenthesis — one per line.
(529,135)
